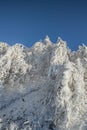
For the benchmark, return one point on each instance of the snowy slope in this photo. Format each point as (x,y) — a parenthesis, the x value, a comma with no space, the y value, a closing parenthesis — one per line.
(43,87)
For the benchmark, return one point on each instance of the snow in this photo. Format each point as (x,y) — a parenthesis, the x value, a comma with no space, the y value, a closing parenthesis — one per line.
(43,87)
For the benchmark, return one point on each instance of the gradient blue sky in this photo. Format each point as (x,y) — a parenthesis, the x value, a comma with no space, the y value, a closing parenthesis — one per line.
(28,21)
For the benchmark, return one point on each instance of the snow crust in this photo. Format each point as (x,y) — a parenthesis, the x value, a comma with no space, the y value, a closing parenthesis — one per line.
(43,87)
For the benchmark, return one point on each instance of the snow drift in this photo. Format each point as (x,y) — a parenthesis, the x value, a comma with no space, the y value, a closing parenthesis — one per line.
(43,87)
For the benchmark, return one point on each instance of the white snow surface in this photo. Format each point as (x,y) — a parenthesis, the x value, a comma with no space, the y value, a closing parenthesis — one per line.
(43,87)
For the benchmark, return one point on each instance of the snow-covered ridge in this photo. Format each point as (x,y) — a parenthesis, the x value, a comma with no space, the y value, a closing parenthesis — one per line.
(43,87)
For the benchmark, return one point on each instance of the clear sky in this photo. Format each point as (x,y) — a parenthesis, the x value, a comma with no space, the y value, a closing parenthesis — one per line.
(28,21)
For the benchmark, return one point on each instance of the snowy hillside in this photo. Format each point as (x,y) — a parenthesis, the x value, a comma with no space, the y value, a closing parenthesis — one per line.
(43,87)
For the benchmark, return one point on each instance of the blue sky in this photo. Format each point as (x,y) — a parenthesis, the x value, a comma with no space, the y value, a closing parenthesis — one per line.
(28,21)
